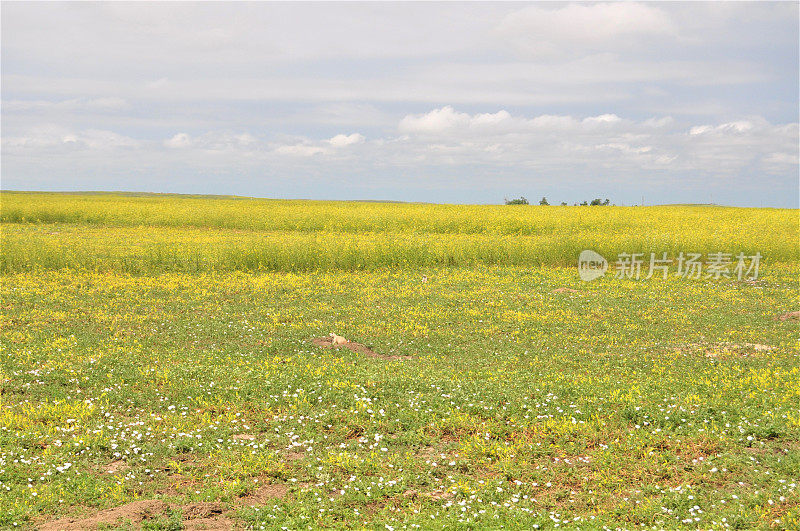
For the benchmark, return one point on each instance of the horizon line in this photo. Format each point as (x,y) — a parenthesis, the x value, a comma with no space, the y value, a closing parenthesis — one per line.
(135,193)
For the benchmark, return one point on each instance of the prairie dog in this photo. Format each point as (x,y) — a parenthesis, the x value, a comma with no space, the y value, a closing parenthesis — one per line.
(337,340)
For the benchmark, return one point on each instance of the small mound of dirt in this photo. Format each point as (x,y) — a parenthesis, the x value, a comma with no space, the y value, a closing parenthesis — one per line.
(358,348)
(199,515)
(135,512)
(790,316)
(206,515)
(565,290)
(201,510)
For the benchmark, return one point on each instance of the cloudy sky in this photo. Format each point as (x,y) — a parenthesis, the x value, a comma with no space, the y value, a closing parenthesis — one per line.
(440,102)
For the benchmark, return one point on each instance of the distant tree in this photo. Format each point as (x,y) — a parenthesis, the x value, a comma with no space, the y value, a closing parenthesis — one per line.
(584,203)
(544,202)
(596,202)
(606,202)
(563,203)
(519,201)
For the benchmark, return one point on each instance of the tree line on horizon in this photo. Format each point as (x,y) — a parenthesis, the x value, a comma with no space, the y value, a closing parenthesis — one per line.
(544,202)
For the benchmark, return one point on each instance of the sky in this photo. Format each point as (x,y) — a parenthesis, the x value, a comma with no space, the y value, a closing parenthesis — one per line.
(435,102)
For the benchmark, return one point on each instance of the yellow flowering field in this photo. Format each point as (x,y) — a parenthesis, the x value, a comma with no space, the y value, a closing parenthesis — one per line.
(159,368)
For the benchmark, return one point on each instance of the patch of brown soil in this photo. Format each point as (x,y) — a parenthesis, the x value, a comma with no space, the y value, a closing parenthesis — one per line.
(441,494)
(185,459)
(565,290)
(355,432)
(435,495)
(755,346)
(135,512)
(178,483)
(220,523)
(116,466)
(715,350)
(790,316)
(206,515)
(201,510)
(777,447)
(358,348)
(373,507)
(425,452)
(294,456)
(265,493)
(243,437)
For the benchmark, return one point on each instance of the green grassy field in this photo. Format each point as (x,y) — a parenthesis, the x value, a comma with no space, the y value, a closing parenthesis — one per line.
(158,368)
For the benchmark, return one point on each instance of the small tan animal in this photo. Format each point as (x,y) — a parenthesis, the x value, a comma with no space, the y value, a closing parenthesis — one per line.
(337,340)
(424,278)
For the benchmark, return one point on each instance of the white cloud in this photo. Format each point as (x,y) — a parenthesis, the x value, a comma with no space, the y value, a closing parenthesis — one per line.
(447,119)
(435,121)
(603,119)
(302,150)
(101,104)
(447,136)
(625,148)
(213,141)
(101,139)
(158,83)
(659,122)
(790,159)
(346,140)
(181,140)
(475,89)
(52,137)
(732,146)
(542,30)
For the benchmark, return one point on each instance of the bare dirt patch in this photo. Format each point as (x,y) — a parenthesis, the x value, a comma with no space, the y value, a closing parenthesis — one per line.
(265,493)
(243,437)
(116,466)
(295,456)
(220,523)
(565,290)
(790,316)
(178,484)
(436,495)
(196,516)
(135,512)
(426,452)
(358,348)
(201,510)
(440,495)
(206,515)
(373,507)
(715,350)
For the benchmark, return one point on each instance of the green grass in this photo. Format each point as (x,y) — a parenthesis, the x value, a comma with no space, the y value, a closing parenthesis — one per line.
(657,403)
(156,234)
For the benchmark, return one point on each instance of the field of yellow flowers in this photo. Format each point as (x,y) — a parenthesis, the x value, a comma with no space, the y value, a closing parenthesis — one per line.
(158,371)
